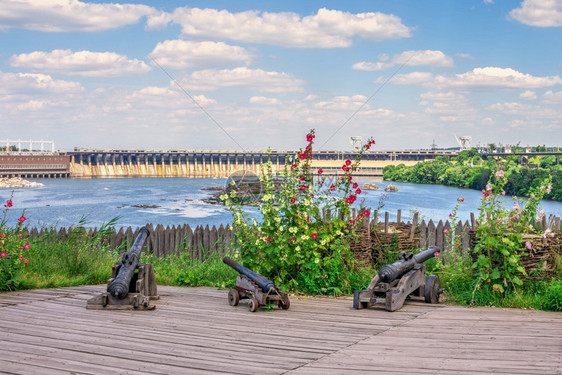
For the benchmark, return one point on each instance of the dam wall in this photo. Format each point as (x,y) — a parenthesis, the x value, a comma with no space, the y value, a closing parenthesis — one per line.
(217,164)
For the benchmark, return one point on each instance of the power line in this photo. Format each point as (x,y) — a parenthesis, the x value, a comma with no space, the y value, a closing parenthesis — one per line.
(367,101)
(196,103)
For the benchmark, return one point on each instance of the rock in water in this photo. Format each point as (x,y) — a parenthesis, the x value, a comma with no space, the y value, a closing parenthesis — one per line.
(391,188)
(15,182)
(369,186)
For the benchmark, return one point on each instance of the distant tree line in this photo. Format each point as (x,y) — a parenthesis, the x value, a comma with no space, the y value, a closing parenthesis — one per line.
(472,171)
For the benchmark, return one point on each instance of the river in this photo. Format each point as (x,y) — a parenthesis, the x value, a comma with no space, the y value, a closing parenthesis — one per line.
(64,202)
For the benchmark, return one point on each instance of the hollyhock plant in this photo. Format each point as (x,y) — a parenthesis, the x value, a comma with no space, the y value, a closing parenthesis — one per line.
(13,248)
(500,244)
(308,222)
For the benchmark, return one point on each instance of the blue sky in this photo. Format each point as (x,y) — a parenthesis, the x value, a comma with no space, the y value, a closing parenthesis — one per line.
(257,74)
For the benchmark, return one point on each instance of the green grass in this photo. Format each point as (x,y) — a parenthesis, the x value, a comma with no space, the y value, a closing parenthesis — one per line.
(82,260)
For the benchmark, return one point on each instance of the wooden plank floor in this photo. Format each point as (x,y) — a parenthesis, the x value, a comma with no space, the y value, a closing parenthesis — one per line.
(195,331)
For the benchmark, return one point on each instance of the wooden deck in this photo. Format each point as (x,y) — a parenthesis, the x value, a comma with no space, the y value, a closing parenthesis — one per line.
(195,331)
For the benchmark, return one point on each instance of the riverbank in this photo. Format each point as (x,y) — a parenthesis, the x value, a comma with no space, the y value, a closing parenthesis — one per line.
(17,182)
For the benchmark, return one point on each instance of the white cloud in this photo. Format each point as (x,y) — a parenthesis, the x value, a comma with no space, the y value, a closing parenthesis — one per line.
(448,106)
(82,63)
(414,78)
(325,29)
(478,79)
(255,79)
(181,54)
(410,58)
(551,97)
(343,103)
(68,15)
(525,111)
(262,100)
(35,84)
(528,95)
(540,13)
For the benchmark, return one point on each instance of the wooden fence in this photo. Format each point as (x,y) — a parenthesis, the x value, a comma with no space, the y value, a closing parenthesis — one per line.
(377,232)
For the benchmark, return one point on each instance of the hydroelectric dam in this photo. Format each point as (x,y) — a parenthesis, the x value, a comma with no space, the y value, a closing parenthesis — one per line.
(16,161)
(216,163)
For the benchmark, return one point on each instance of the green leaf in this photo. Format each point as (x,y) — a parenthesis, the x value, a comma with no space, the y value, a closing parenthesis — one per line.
(495,274)
(517,280)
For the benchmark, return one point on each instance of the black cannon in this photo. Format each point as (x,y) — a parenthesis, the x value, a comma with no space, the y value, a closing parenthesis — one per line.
(395,282)
(132,284)
(253,286)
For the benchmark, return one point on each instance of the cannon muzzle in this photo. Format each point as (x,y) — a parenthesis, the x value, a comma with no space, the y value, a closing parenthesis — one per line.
(262,282)
(405,263)
(119,288)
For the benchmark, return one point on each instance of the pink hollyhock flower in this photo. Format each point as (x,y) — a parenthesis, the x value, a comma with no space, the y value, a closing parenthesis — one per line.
(292,239)
(314,236)
(27,246)
(446,231)
(437,254)
(529,245)
(516,206)
(3,254)
(22,259)
(499,174)
(27,261)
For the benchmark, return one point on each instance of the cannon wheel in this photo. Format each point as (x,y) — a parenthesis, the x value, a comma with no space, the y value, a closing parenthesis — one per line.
(233,297)
(285,303)
(253,304)
(432,289)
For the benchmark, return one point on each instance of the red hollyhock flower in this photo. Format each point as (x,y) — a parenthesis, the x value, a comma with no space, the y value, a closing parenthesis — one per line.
(320,171)
(22,219)
(348,162)
(8,203)
(293,199)
(314,236)
(355,185)
(332,187)
(358,191)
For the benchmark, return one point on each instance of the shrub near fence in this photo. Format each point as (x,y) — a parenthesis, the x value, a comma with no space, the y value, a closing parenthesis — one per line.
(202,242)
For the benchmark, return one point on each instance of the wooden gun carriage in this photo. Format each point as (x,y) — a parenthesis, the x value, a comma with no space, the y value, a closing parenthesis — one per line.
(132,284)
(253,286)
(395,282)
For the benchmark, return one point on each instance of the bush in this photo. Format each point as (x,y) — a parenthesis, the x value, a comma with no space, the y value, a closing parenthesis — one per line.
(293,243)
(13,250)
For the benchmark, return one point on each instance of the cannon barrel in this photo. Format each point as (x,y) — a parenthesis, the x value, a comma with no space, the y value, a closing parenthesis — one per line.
(406,262)
(262,282)
(119,287)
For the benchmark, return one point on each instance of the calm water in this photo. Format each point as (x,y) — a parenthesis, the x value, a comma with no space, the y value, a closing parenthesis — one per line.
(64,202)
